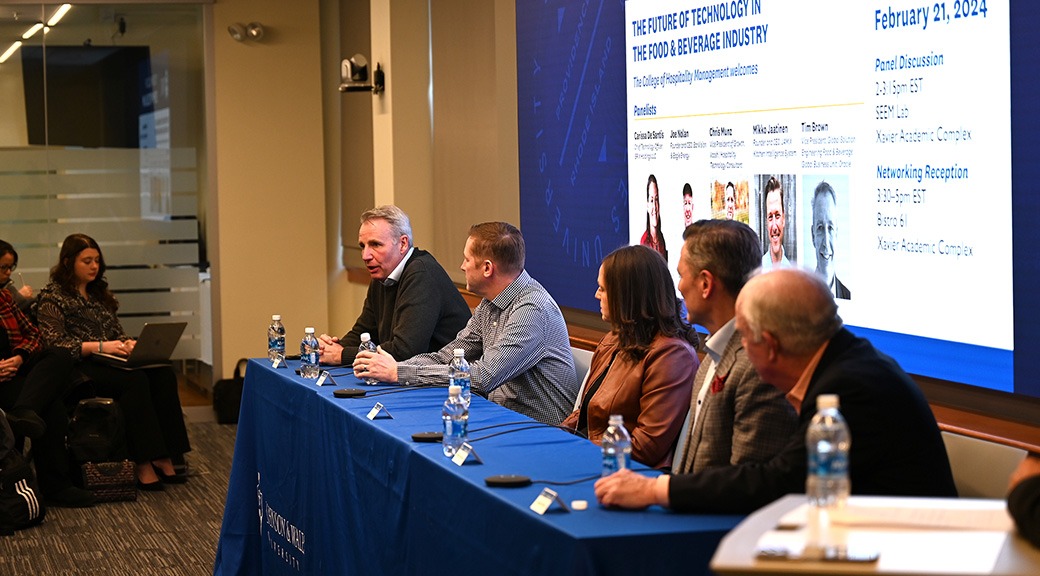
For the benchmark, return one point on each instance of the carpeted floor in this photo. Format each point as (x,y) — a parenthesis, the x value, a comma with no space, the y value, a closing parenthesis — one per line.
(174,532)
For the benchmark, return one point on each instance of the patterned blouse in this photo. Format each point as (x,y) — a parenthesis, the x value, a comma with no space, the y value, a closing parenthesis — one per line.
(69,320)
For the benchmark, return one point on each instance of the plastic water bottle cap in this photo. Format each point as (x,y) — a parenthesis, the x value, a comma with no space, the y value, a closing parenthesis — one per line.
(459,352)
(579,504)
(616,420)
(454,390)
(365,337)
(824,401)
(276,317)
(308,330)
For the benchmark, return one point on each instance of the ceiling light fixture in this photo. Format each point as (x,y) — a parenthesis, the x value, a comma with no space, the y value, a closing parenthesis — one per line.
(58,14)
(32,31)
(237,32)
(255,31)
(10,51)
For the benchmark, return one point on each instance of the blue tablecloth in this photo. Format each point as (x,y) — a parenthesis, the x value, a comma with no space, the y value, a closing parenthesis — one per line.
(318,488)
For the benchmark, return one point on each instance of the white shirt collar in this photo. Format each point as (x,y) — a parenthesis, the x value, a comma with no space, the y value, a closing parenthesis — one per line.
(396,274)
(716,343)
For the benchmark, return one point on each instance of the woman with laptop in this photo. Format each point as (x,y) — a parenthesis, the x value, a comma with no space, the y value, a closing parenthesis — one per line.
(77,313)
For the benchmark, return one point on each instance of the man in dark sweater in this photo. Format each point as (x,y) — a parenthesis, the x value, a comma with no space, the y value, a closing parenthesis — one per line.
(412,305)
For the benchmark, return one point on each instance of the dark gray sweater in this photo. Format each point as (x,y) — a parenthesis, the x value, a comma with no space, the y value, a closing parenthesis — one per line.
(420,313)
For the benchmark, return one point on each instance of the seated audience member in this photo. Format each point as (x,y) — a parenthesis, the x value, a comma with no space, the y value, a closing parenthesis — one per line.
(643,368)
(734,417)
(23,297)
(516,342)
(21,506)
(412,306)
(1024,498)
(33,383)
(794,337)
(77,314)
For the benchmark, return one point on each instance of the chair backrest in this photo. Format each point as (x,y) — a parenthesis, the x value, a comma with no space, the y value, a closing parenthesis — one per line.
(980,469)
(582,360)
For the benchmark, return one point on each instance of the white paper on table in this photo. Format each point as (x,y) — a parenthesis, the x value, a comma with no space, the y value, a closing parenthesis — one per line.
(947,552)
(921,513)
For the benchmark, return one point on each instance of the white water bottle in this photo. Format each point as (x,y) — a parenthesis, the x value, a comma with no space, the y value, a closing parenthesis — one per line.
(458,374)
(309,354)
(367,345)
(827,480)
(617,446)
(275,338)
(456,421)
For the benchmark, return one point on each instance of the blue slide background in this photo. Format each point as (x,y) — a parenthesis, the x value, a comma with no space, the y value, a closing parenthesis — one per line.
(573,158)
(574,190)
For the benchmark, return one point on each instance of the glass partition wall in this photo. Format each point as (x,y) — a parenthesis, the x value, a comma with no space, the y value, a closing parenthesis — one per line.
(102,131)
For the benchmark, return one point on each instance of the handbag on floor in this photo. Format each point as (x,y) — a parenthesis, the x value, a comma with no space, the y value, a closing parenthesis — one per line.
(227,395)
(110,481)
(97,444)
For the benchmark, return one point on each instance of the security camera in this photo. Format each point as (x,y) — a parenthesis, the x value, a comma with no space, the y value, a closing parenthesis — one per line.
(354,76)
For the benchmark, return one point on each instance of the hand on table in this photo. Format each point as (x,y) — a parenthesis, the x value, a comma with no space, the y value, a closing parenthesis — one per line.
(329,350)
(626,489)
(379,365)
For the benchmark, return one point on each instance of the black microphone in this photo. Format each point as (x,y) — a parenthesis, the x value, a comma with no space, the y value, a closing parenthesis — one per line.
(348,373)
(519,481)
(360,393)
(432,437)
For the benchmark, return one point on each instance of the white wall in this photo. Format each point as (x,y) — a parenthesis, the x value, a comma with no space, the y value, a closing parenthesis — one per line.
(267,225)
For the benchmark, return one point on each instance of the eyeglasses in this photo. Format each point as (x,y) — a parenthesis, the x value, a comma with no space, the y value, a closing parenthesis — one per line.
(8,267)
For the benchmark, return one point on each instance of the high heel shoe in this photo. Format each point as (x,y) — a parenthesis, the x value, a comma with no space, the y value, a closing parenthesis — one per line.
(169,478)
(156,486)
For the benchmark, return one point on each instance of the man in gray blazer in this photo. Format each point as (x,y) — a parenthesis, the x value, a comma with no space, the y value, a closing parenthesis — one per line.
(734,416)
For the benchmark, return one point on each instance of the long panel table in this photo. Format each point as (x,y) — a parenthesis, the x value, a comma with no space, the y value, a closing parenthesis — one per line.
(319,488)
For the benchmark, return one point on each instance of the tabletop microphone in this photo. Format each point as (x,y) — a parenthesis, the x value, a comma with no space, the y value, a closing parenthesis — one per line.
(519,480)
(362,393)
(297,357)
(433,437)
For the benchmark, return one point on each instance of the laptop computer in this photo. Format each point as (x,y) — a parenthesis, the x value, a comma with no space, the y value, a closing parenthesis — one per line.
(154,347)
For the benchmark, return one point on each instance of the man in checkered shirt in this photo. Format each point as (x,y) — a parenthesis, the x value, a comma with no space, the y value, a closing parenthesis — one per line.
(516,343)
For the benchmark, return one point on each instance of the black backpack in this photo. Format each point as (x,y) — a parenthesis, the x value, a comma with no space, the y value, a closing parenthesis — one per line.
(227,395)
(96,432)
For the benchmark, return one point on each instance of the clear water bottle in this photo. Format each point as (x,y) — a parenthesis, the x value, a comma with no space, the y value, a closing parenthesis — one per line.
(827,480)
(367,345)
(458,374)
(309,354)
(456,421)
(617,446)
(275,338)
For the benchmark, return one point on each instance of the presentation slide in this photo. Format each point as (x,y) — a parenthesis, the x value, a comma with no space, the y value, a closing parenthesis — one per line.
(891,146)
(868,142)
